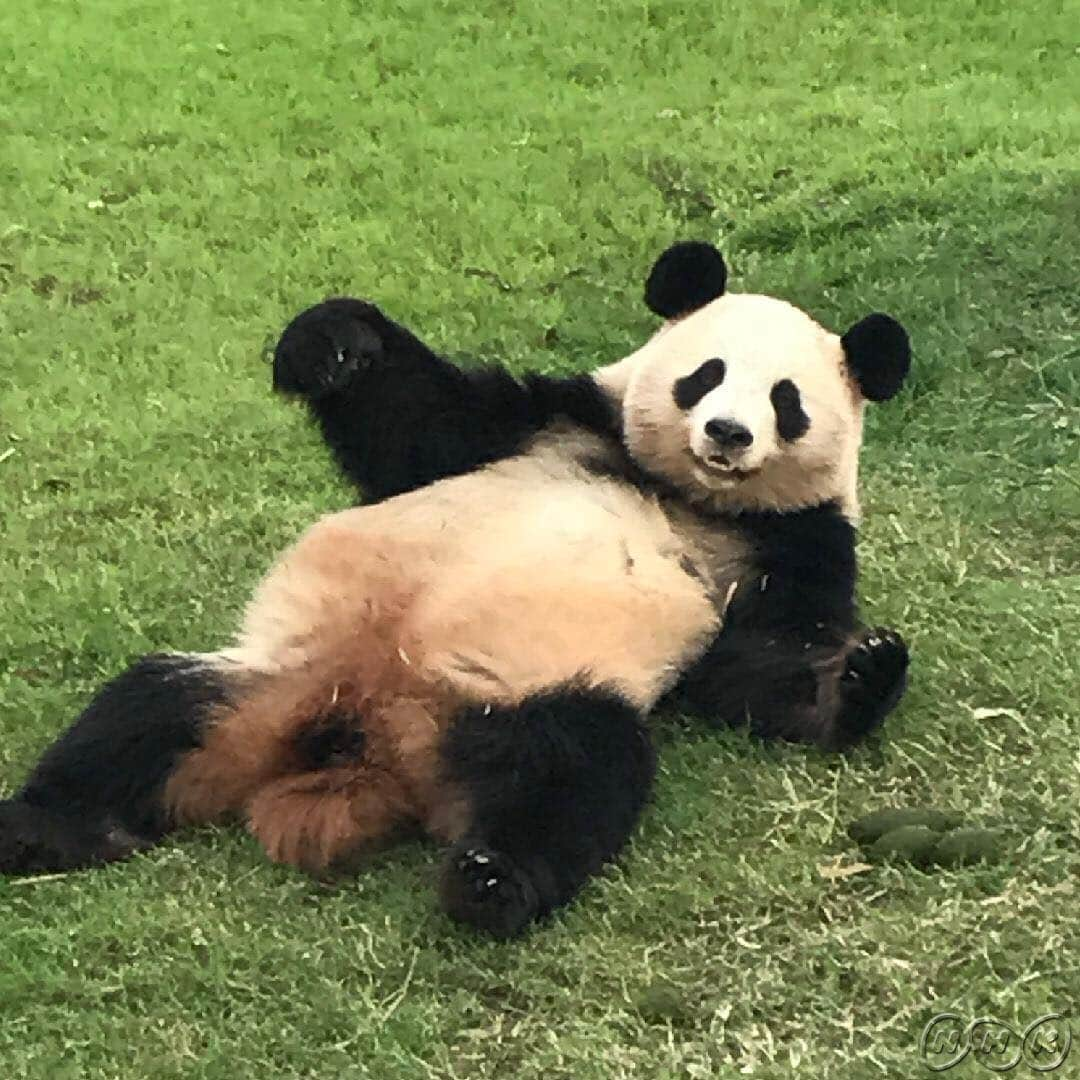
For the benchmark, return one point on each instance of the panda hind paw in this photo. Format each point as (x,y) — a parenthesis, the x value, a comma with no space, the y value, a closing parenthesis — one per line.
(33,841)
(484,889)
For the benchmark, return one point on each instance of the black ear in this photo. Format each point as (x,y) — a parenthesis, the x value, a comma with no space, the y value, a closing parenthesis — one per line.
(687,276)
(879,355)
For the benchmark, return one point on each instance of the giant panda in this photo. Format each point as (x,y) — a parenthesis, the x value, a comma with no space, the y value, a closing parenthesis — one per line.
(542,562)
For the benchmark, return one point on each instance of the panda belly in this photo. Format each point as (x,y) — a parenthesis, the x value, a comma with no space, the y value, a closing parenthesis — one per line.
(495,585)
(567,582)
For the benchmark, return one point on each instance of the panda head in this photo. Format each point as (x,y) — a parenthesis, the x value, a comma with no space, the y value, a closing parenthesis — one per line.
(744,402)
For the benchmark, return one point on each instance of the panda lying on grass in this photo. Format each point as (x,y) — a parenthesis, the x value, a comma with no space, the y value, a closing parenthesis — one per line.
(544,561)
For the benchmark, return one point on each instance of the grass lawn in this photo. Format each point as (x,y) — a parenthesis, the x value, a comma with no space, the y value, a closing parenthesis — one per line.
(176,180)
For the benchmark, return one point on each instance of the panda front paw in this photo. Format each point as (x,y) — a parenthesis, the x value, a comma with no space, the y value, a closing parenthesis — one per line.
(872,681)
(483,888)
(875,663)
(324,349)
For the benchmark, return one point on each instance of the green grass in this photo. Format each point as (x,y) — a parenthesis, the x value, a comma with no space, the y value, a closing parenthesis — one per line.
(178,179)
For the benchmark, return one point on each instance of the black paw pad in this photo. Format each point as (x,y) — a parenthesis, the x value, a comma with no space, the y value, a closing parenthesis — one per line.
(324,348)
(484,889)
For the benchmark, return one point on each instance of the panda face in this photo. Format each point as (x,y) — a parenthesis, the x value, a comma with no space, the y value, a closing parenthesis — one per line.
(746,403)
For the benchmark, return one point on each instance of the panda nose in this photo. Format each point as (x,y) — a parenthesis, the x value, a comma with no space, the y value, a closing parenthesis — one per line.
(729,434)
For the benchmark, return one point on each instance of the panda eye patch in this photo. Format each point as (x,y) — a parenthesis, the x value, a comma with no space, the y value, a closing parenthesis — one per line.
(791,422)
(690,389)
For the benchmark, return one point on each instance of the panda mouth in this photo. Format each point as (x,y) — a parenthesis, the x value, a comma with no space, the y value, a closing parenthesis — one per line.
(720,466)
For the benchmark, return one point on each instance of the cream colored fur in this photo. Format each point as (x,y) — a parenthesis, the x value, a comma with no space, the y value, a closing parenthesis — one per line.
(761,340)
(512,579)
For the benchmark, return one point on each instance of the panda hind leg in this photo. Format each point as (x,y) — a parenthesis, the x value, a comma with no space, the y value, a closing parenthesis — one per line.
(554,788)
(97,794)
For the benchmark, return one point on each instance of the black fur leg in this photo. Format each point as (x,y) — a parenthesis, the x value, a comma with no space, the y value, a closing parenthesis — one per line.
(830,695)
(95,796)
(783,663)
(754,680)
(397,416)
(556,786)
(872,682)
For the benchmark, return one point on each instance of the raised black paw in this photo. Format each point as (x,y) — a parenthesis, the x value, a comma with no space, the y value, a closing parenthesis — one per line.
(872,682)
(323,349)
(484,889)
